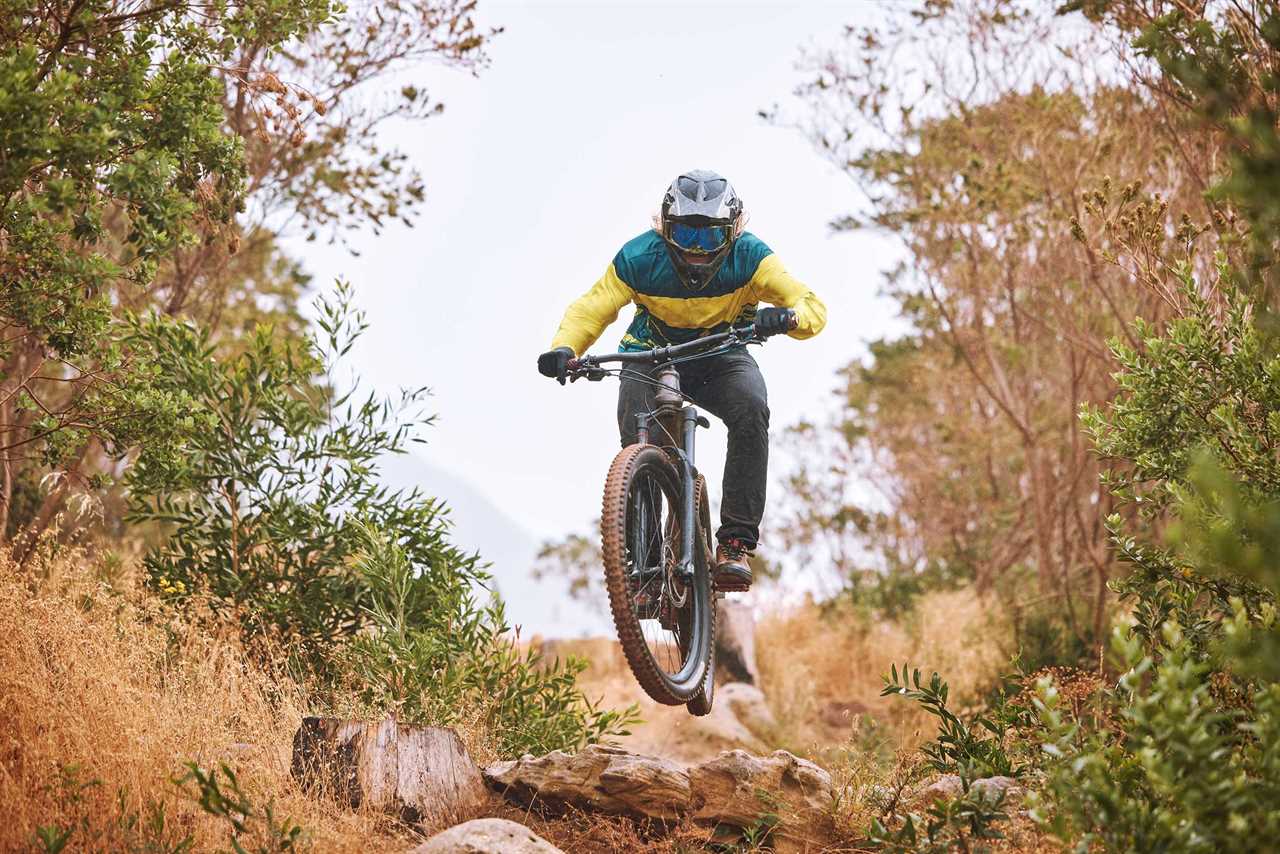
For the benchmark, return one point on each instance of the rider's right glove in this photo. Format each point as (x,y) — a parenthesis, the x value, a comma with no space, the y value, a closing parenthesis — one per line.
(775,321)
(555,363)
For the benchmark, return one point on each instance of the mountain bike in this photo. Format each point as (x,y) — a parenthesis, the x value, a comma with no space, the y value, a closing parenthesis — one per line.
(655,528)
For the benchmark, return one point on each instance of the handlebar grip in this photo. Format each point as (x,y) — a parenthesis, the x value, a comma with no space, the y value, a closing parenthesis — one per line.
(792,321)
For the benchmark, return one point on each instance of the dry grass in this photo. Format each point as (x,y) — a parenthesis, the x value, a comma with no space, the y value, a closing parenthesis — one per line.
(818,669)
(822,676)
(576,832)
(102,701)
(823,673)
(104,697)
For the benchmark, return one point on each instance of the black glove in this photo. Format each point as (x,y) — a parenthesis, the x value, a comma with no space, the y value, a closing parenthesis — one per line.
(775,321)
(555,363)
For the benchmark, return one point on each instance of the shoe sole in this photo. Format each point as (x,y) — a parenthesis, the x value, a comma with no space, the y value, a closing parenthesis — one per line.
(731,584)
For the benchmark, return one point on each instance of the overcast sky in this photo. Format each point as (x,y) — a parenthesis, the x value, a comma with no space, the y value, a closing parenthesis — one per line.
(538,171)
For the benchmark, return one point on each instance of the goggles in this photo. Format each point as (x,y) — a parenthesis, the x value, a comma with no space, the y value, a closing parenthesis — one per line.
(699,238)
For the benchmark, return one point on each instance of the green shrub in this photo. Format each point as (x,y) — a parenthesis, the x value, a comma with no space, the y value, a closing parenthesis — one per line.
(267,493)
(276,520)
(220,795)
(951,825)
(1190,760)
(438,662)
(973,748)
(983,745)
(893,593)
(1186,771)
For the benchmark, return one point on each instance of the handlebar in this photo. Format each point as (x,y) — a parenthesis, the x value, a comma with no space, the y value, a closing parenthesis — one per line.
(589,366)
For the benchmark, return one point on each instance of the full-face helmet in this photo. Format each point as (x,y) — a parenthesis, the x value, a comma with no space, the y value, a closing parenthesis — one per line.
(701,217)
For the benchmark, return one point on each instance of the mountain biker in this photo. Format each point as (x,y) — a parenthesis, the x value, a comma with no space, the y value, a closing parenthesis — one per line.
(695,273)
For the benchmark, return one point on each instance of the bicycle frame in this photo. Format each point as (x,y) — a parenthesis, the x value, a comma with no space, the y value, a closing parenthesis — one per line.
(669,405)
(667,402)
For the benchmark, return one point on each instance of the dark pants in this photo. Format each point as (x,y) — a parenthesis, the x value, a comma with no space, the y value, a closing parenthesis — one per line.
(730,387)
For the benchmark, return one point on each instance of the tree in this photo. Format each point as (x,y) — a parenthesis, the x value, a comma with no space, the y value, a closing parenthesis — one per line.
(981,166)
(1194,422)
(155,153)
(114,153)
(1212,66)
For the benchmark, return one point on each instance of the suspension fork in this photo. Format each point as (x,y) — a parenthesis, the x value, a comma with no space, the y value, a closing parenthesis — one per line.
(689,418)
(689,421)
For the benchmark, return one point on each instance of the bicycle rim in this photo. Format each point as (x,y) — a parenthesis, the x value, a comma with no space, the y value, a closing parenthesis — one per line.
(701,702)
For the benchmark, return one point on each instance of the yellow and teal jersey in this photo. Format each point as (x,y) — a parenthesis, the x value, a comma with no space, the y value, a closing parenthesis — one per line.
(667,312)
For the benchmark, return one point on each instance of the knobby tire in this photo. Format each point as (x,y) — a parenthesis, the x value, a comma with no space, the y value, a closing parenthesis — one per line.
(652,464)
(701,703)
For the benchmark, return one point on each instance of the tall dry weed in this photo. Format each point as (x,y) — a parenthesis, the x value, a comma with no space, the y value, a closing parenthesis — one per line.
(103,698)
(823,671)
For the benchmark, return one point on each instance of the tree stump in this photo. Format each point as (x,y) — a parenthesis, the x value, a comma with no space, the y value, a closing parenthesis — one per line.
(736,644)
(421,774)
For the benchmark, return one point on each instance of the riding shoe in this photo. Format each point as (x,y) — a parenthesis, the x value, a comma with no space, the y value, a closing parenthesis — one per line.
(733,572)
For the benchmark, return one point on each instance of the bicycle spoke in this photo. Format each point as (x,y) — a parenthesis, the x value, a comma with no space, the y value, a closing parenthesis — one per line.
(651,557)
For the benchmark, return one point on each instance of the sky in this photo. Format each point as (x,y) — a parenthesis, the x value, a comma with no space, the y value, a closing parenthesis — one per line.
(538,171)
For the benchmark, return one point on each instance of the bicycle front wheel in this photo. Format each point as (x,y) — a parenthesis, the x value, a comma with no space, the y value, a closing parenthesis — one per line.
(663,619)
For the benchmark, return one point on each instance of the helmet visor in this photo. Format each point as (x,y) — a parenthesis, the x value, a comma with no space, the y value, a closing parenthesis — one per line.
(699,238)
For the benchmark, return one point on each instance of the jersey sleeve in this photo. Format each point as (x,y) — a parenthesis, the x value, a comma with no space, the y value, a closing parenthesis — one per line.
(773,284)
(590,314)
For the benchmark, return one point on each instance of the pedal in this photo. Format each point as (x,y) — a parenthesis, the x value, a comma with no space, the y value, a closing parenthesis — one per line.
(730,585)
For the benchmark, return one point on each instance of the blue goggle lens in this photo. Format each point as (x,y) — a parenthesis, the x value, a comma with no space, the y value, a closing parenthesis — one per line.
(699,238)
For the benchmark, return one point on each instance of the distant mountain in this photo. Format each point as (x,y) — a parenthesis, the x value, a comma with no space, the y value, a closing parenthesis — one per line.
(538,607)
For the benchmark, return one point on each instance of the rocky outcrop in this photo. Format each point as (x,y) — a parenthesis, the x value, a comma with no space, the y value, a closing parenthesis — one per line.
(605,779)
(487,836)
(420,774)
(780,793)
(736,644)
(742,790)
(748,707)
(948,787)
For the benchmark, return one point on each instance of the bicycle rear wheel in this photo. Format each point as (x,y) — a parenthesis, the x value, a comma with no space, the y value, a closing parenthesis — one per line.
(663,620)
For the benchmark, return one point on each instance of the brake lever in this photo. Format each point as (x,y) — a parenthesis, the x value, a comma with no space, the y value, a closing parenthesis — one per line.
(580,368)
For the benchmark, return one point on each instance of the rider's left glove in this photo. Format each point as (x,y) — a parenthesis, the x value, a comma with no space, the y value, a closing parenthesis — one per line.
(555,363)
(775,321)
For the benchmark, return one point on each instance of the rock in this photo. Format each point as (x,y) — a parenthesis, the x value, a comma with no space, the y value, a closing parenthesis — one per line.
(420,774)
(487,836)
(742,790)
(839,714)
(736,643)
(992,787)
(880,797)
(748,705)
(605,779)
(733,792)
(948,787)
(737,720)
